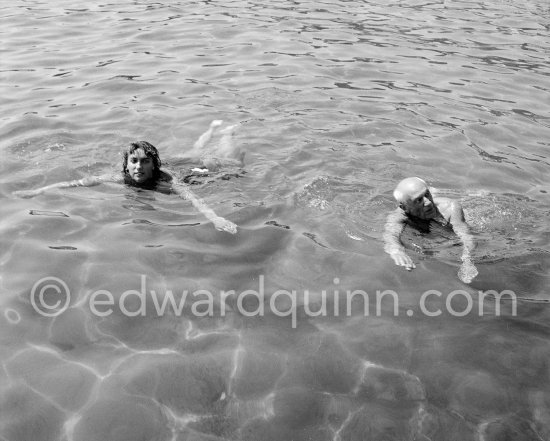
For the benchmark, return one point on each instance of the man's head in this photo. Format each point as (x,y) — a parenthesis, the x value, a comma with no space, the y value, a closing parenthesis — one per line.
(414,197)
(141,162)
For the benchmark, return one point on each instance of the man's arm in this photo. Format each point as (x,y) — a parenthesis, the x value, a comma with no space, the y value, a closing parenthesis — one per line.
(220,223)
(467,270)
(392,244)
(84,182)
(460,226)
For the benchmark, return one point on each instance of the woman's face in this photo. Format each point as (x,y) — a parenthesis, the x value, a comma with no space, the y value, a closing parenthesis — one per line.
(140,167)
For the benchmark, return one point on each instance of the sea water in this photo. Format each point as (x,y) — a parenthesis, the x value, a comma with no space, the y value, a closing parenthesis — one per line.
(126,315)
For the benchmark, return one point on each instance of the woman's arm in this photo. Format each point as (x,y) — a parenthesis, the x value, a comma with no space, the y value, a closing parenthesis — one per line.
(392,244)
(84,182)
(220,223)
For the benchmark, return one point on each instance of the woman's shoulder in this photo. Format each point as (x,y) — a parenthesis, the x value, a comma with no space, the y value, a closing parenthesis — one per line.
(165,176)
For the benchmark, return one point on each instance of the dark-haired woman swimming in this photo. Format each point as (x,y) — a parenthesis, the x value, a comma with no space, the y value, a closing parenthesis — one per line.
(141,167)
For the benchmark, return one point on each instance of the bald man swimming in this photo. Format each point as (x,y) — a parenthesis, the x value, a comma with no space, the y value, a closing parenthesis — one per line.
(417,203)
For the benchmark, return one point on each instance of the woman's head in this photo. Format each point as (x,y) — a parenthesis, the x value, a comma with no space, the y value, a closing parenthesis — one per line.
(141,163)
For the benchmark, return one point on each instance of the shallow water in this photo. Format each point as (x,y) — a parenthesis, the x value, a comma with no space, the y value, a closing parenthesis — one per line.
(335,101)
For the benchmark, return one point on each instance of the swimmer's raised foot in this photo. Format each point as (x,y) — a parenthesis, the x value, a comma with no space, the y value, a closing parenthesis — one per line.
(228,130)
(226,149)
(206,136)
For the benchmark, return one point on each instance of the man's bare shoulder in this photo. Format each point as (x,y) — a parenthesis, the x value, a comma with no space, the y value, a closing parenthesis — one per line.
(443,202)
(450,209)
(396,216)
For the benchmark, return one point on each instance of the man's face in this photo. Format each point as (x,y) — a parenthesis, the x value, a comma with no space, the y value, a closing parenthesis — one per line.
(420,202)
(140,166)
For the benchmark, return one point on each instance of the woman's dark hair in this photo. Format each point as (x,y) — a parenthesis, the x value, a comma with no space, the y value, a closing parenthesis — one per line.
(150,151)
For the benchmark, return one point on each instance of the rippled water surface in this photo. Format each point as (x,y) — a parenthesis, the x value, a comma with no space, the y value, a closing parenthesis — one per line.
(335,102)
